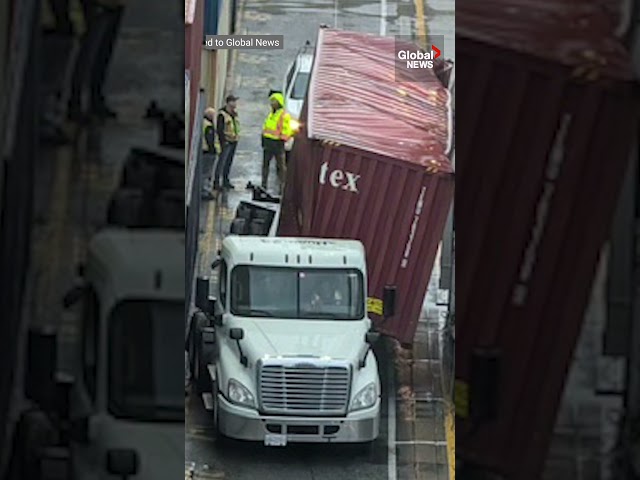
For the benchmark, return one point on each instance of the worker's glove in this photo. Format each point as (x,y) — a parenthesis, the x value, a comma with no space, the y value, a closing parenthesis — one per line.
(262,141)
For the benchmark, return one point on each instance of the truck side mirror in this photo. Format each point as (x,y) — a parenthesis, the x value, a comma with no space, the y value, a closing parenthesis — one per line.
(236,334)
(372,337)
(202,294)
(122,462)
(216,263)
(389,301)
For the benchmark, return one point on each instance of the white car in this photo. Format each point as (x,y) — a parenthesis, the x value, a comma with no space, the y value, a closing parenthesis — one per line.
(296,82)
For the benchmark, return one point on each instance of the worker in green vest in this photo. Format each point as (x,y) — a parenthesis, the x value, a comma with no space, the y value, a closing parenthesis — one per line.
(276,130)
(228,130)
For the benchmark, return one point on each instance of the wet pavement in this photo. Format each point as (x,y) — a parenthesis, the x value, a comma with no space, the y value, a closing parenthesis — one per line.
(413,441)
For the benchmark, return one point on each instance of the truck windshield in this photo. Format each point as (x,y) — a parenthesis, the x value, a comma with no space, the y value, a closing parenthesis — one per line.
(300,86)
(146,359)
(336,294)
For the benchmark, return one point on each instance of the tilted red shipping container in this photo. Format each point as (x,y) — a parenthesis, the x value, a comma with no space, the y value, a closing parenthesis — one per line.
(547,134)
(370,163)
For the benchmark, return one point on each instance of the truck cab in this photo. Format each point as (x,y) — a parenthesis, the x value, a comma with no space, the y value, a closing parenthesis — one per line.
(131,300)
(284,353)
(132,308)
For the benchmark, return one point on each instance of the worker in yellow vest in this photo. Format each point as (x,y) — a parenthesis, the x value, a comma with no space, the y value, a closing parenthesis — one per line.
(276,130)
(61,21)
(64,17)
(210,149)
(228,130)
(209,144)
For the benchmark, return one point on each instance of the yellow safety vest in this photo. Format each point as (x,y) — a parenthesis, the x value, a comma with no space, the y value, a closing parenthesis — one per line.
(231,126)
(76,16)
(277,125)
(206,123)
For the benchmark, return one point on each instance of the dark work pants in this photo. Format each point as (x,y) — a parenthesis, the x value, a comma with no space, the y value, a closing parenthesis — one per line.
(271,149)
(95,54)
(208,160)
(113,20)
(223,167)
(60,10)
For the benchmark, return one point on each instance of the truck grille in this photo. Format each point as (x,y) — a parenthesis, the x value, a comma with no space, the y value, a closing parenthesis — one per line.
(304,389)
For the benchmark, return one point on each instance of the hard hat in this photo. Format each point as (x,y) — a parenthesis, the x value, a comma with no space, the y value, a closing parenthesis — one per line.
(278,98)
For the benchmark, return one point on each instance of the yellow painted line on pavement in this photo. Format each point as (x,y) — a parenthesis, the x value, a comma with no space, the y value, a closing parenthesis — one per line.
(208,236)
(450,432)
(421,22)
(200,437)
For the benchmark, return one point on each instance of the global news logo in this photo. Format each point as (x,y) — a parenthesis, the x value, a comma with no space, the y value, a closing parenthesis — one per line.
(419,59)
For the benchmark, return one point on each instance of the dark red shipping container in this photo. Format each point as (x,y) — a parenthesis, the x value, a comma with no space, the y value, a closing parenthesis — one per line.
(193,38)
(547,133)
(370,163)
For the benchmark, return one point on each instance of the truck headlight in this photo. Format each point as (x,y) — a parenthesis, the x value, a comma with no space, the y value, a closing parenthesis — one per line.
(365,398)
(240,394)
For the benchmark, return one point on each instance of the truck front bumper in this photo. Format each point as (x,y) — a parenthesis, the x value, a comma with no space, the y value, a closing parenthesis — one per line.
(248,424)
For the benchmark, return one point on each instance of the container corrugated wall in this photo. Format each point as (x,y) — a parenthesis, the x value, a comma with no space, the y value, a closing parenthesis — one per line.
(398,212)
(389,184)
(539,168)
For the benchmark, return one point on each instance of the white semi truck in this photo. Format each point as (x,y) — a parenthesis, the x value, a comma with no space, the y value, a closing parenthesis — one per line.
(125,415)
(283,351)
(131,393)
